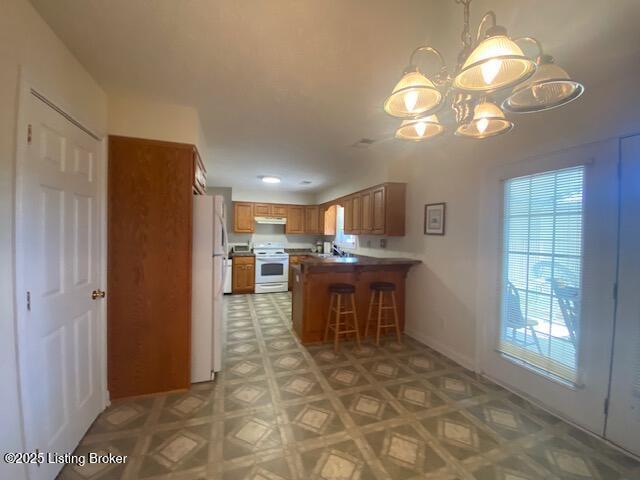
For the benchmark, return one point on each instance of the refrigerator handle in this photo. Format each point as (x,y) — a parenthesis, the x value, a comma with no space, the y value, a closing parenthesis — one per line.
(225,255)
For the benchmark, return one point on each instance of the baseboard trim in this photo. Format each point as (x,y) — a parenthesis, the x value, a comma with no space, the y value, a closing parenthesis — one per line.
(445,350)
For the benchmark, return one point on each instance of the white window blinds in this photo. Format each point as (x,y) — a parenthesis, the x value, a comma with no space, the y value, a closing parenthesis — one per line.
(542,266)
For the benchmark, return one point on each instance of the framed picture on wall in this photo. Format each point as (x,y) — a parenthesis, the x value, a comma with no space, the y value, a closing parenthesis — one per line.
(434,217)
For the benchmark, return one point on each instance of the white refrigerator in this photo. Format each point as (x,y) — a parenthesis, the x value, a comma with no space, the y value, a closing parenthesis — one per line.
(208,279)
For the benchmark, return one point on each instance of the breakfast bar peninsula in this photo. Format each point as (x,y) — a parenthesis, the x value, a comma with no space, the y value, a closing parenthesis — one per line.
(313,275)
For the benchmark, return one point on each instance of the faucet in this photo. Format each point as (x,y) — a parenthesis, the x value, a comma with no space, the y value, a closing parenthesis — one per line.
(338,251)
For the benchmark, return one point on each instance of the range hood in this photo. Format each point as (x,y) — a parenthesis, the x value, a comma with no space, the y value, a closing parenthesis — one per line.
(271,220)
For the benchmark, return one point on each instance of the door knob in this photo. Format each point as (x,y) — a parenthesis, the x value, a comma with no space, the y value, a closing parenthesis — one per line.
(98,294)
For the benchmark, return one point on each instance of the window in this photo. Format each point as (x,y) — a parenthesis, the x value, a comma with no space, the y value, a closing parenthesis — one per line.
(542,270)
(343,240)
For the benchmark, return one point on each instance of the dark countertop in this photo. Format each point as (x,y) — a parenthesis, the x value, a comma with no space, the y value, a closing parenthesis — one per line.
(318,262)
(241,254)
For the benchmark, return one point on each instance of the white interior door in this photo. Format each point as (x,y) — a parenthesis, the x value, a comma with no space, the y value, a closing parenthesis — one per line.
(549,280)
(623,423)
(58,268)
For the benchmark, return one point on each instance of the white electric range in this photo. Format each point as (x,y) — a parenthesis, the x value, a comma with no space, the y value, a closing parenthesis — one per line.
(272,267)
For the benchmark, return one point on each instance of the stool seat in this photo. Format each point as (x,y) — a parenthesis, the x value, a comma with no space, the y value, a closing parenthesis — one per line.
(382,286)
(342,288)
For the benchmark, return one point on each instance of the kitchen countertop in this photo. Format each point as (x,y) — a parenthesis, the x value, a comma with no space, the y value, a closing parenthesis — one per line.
(318,261)
(241,254)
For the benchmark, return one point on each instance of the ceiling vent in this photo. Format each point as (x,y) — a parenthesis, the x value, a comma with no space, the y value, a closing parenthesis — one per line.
(305,182)
(364,143)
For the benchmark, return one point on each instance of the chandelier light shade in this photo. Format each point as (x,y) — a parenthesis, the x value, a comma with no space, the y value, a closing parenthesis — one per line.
(414,95)
(490,66)
(418,129)
(488,121)
(496,63)
(548,88)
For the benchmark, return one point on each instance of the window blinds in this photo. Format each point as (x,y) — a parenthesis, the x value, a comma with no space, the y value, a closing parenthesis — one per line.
(542,267)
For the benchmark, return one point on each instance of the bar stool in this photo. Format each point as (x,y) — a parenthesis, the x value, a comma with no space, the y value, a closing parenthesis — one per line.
(341,295)
(381,291)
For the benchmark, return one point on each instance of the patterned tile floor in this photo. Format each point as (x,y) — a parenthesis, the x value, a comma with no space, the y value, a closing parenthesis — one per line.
(282,411)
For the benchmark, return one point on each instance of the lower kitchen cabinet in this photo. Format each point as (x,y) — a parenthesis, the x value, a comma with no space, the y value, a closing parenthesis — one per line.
(294,260)
(243,278)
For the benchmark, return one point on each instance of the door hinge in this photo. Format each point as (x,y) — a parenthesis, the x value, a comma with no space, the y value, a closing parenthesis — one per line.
(606,406)
(28,301)
(29,134)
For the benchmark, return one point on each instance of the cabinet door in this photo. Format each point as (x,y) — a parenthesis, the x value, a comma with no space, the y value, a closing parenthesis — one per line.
(295,219)
(243,221)
(262,209)
(348,215)
(279,210)
(357,215)
(311,223)
(250,278)
(378,210)
(329,220)
(366,224)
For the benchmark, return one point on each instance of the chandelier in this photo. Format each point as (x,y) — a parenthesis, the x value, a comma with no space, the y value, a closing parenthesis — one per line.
(488,67)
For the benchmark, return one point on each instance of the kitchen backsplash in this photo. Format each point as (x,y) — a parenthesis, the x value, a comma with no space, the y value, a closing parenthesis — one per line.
(274,233)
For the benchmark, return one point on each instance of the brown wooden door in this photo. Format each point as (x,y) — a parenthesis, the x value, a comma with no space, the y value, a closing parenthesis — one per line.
(378,210)
(279,210)
(243,275)
(311,219)
(348,215)
(262,209)
(329,220)
(149,266)
(295,219)
(243,217)
(367,214)
(357,214)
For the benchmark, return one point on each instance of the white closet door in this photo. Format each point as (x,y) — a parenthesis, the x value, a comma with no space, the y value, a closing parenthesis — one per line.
(58,267)
(623,423)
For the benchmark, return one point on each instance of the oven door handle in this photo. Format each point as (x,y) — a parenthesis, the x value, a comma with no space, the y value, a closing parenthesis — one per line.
(271,259)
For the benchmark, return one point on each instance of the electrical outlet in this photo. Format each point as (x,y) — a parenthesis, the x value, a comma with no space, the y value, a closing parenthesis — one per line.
(383,243)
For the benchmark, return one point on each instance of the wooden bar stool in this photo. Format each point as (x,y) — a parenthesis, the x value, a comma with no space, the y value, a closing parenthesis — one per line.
(341,295)
(377,301)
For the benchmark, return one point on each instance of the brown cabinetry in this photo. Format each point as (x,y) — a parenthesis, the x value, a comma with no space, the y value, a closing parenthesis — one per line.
(378,209)
(262,209)
(243,217)
(312,219)
(150,201)
(199,174)
(243,276)
(366,226)
(294,260)
(295,219)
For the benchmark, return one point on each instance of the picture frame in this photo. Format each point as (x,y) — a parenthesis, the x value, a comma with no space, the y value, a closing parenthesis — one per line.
(434,218)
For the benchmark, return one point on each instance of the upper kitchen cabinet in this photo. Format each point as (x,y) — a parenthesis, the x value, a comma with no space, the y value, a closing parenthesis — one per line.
(312,220)
(269,210)
(295,219)
(379,210)
(366,226)
(278,210)
(243,217)
(262,209)
(329,220)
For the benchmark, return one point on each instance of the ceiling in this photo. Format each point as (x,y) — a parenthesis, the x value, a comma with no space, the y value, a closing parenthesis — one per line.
(286,87)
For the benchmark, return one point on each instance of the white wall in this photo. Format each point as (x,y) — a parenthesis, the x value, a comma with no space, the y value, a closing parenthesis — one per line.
(442,291)
(25,40)
(272,195)
(142,118)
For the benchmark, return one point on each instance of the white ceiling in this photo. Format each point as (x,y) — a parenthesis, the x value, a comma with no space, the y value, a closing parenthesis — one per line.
(285,87)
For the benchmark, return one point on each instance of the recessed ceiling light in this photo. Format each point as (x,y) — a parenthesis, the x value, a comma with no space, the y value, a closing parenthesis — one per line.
(270,179)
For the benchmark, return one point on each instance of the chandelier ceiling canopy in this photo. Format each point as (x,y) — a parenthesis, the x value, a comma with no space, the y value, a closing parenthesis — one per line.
(489,65)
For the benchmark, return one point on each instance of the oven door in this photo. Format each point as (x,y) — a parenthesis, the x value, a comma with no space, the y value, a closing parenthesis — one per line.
(272,268)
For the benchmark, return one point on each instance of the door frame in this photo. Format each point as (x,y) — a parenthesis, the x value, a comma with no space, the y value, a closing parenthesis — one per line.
(490,260)
(28,84)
